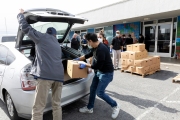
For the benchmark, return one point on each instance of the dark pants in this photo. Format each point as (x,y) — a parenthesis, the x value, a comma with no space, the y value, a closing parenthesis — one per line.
(98,86)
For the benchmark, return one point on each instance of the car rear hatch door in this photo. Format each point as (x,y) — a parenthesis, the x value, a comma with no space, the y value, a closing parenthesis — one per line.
(47,15)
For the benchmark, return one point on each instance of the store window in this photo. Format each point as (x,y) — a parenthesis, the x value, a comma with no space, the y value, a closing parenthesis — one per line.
(108,31)
(97,30)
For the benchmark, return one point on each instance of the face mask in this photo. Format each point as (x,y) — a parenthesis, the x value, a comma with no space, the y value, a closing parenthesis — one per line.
(117,35)
(89,46)
(100,39)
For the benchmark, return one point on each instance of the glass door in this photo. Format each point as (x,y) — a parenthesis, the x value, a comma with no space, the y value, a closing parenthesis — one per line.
(158,39)
(150,35)
(164,39)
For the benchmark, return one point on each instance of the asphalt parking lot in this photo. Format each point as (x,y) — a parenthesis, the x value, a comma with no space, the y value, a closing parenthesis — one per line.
(154,97)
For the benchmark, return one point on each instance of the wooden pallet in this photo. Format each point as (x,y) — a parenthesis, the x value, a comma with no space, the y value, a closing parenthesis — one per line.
(176,79)
(143,75)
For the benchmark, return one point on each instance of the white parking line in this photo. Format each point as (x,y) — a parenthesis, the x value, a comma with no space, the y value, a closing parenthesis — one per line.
(171,64)
(176,102)
(160,102)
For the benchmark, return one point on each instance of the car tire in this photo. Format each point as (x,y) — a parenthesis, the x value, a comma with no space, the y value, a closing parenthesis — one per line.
(10,107)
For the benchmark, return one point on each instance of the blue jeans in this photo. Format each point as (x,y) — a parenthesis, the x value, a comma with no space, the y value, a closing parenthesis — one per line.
(98,86)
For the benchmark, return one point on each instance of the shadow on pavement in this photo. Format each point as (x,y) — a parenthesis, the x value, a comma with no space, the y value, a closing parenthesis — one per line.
(163,75)
(141,103)
(102,111)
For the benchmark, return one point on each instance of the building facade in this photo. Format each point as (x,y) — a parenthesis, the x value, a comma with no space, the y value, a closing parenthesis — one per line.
(157,20)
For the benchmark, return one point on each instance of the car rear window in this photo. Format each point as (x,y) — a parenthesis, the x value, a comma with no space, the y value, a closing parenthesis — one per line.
(60,27)
(8,38)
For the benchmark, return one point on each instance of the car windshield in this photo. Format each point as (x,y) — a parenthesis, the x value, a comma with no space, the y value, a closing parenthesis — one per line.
(8,38)
(60,27)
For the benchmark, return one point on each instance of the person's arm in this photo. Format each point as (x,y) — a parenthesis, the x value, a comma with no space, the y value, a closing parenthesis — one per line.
(27,29)
(112,43)
(90,54)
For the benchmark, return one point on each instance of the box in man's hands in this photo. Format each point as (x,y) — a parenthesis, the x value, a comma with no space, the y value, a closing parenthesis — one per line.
(74,71)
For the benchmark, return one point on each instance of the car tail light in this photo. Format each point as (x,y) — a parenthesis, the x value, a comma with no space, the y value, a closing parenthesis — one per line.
(27,81)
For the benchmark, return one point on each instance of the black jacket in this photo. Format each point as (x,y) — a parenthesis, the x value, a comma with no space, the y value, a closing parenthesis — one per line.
(129,41)
(101,59)
(117,43)
(75,43)
(141,40)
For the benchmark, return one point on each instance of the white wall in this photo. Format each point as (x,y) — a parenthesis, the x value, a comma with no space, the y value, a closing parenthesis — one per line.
(128,9)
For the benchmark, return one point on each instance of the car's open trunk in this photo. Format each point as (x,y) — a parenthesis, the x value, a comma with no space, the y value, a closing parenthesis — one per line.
(67,54)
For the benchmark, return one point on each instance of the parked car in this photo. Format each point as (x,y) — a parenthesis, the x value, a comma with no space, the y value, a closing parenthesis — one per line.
(17,86)
(7,38)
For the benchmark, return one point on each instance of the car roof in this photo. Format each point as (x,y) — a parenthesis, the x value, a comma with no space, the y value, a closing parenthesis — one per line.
(8,35)
(10,45)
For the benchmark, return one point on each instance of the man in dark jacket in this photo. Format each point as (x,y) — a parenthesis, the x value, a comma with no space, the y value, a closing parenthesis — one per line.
(47,68)
(103,75)
(75,43)
(129,40)
(116,47)
(141,38)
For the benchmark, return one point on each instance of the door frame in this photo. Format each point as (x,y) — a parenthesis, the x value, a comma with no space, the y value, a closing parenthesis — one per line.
(156,39)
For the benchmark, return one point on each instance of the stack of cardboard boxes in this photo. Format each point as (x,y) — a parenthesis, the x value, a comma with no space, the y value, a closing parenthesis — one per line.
(136,60)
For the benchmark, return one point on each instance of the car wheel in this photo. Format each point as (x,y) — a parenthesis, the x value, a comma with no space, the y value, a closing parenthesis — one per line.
(10,108)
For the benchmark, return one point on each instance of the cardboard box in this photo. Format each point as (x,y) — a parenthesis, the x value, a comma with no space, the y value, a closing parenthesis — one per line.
(141,56)
(145,54)
(147,62)
(131,69)
(150,61)
(123,61)
(142,70)
(139,63)
(130,62)
(157,66)
(134,55)
(154,67)
(151,68)
(124,55)
(129,47)
(138,47)
(124,67)
(66,76)
(154,59)
(74,71)
(157,59)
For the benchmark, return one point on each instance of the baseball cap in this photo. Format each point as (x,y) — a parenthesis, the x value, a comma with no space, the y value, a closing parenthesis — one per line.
(51,31)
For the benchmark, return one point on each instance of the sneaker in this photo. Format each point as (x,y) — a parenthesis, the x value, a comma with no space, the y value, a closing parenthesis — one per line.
(85,110)
(115,111)
(118,68)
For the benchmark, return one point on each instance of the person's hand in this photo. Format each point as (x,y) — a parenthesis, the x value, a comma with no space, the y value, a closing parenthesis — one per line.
(21,10)
(110,50)
(82,65)
(76,59)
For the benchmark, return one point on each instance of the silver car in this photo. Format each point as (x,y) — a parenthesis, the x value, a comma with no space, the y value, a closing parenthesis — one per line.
(17,86)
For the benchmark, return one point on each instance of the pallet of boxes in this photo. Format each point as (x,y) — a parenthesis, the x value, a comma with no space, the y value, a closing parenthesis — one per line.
(136,60)
(176,79)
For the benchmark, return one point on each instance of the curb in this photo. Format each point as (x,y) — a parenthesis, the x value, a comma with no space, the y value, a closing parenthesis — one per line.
(169,64)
